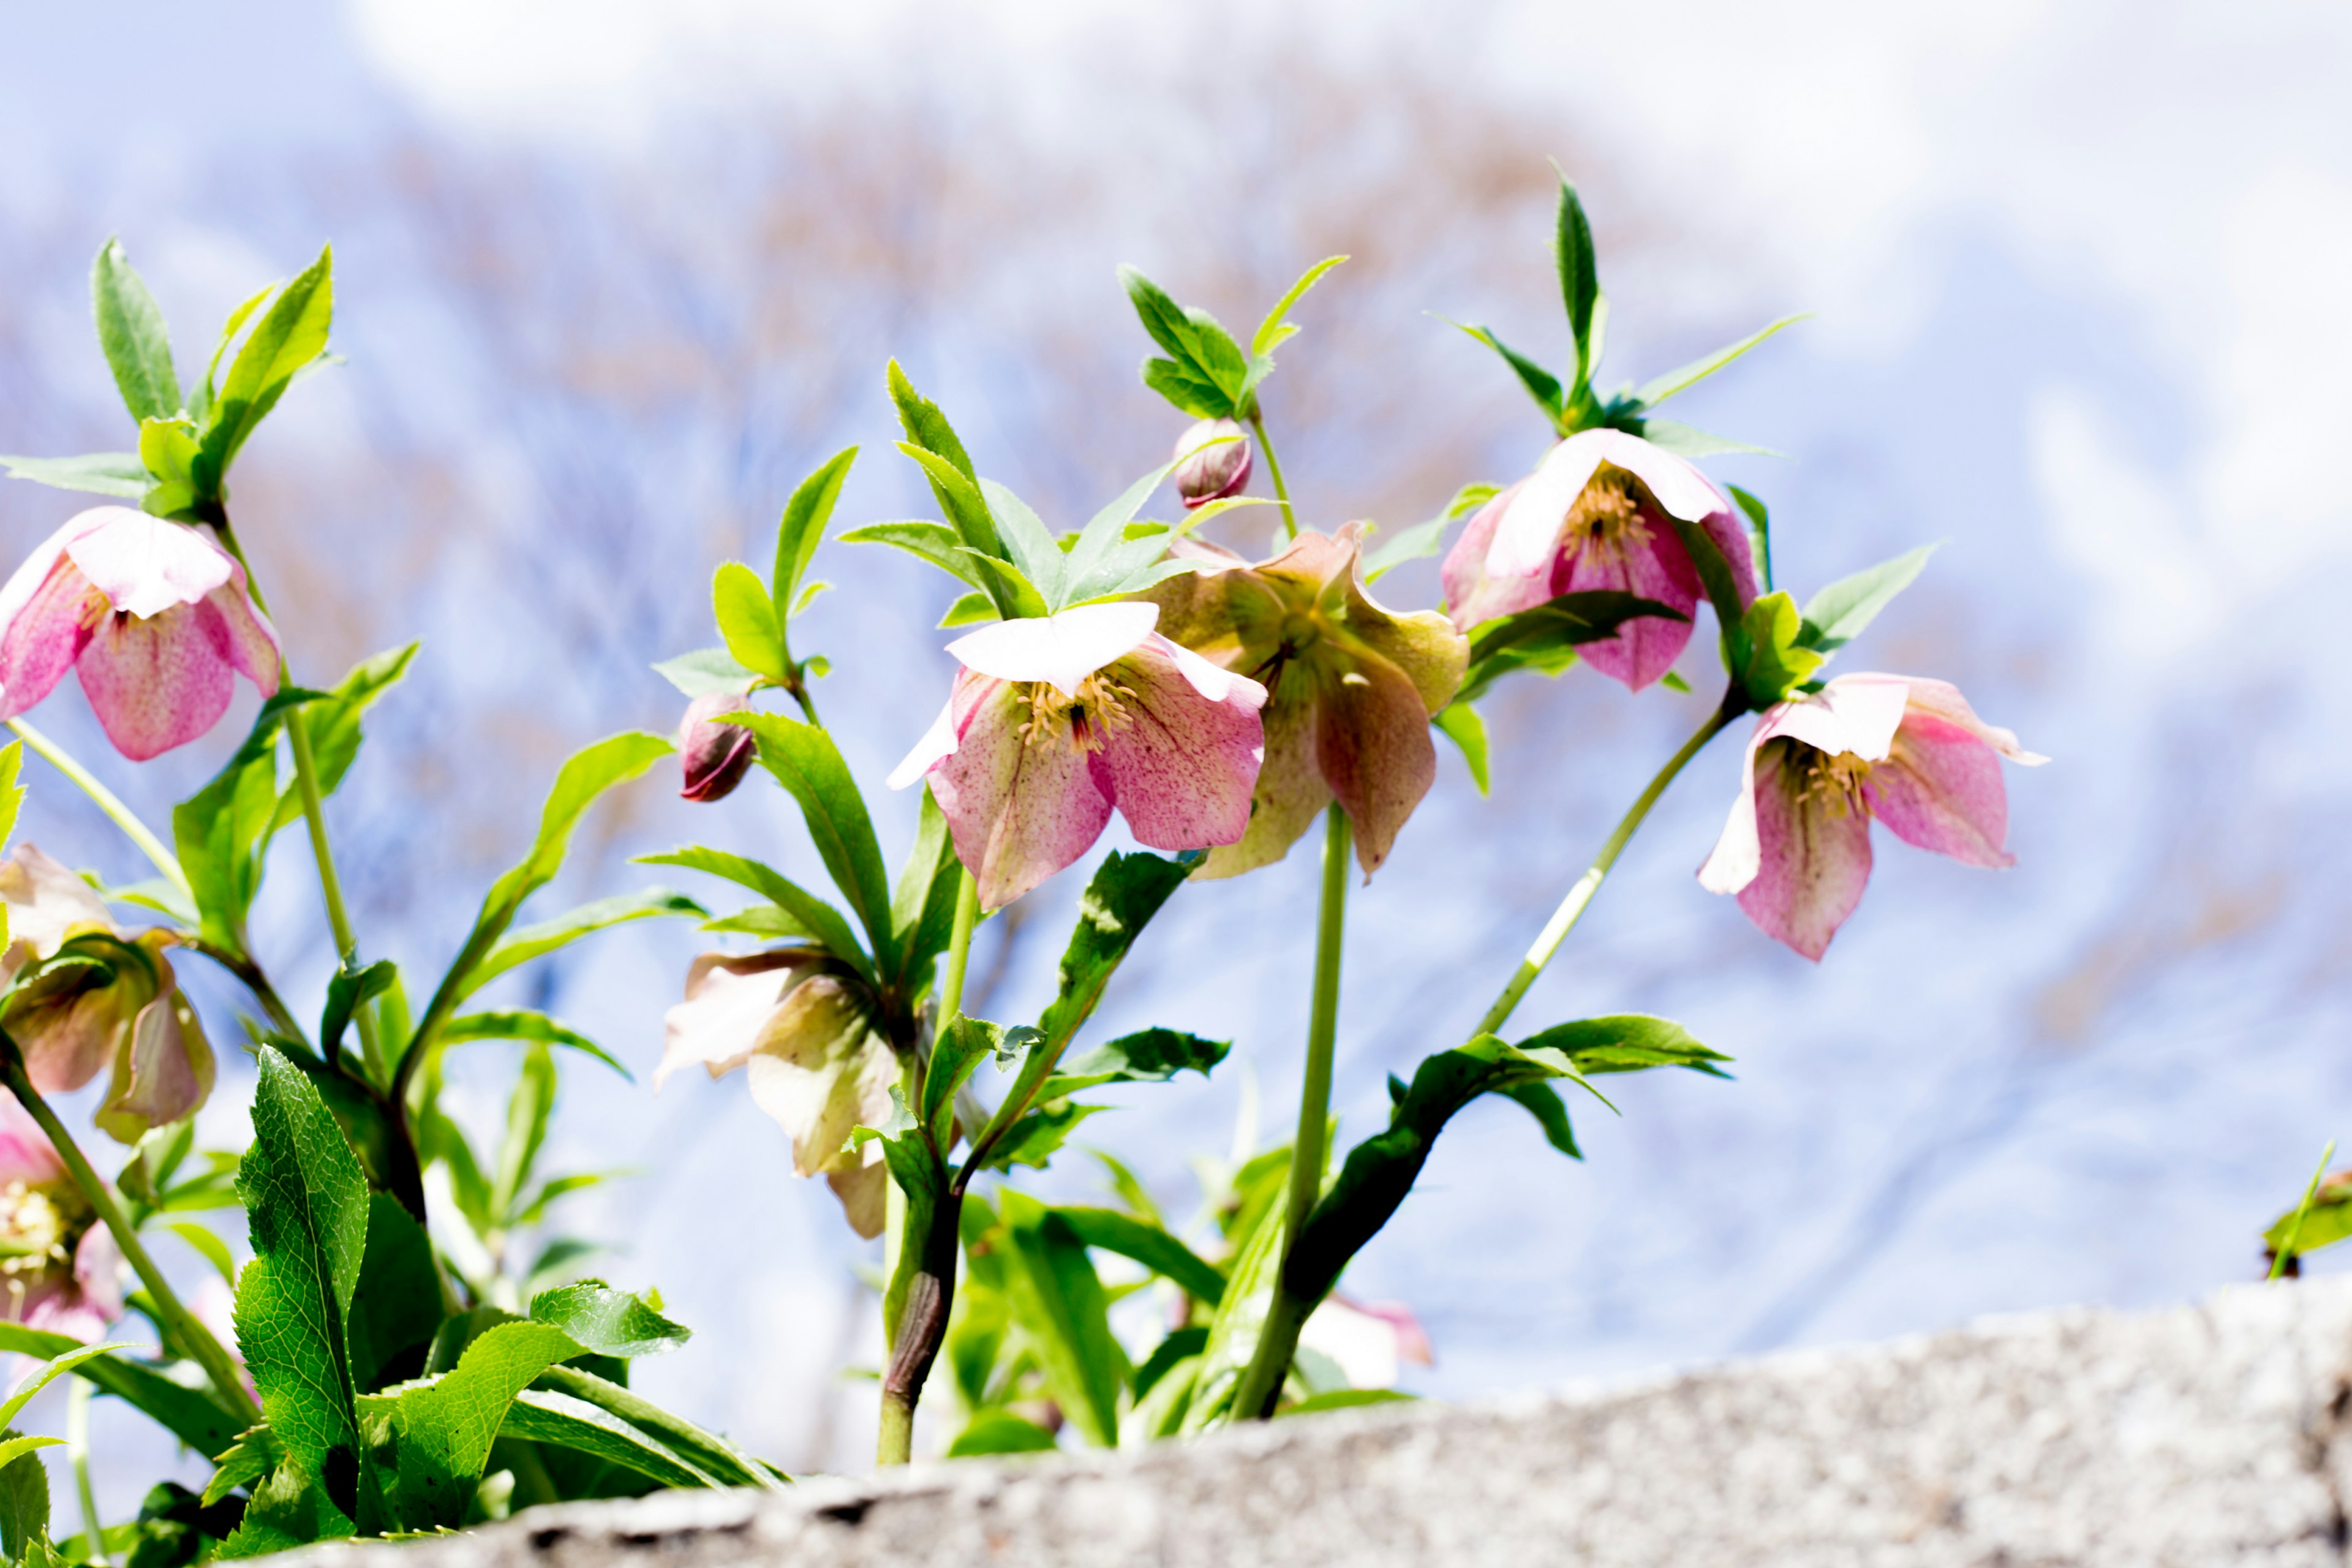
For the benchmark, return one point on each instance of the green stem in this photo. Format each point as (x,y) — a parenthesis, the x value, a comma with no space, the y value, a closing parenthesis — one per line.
(1274,472)
(2286,1253)
(967,916)
(1571,908)
(228,1384)
(77,1453)
(1278,1340)
(108,802)
(895,1445)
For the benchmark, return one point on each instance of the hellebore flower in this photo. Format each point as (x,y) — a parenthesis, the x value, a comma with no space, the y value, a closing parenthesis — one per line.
(1596,514)
(1057,719)
(1910,753)
(1204,473)
(802,1031)
(59,1268)
(153,615)
(1351,687)
(84,994)
(714,757)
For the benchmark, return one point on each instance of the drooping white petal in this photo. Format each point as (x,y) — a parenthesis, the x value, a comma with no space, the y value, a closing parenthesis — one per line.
(145,565)
(1060,649)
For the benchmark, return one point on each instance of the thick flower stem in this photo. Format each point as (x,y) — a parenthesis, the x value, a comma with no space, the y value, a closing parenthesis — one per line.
(1278,1340)
(1571,908)
(78,1455)
(107,800)
(922,1267)
(1274,472)
(190,1335)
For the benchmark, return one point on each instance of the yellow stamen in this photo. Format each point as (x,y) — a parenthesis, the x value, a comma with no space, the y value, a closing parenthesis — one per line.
(1098,707)
(1836,780)
(1605,520)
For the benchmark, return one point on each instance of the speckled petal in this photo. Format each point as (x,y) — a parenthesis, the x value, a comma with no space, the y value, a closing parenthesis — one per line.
(1940,786)
(1181,770)
(1372,742)
(1474,593)
(1018,811)
(48,624)
(159,683)
(1815,858)
(1289,791)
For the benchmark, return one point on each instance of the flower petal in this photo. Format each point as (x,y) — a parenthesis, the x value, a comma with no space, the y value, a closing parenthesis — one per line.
(865,1194)
(1682,490)
(244,637)
(939,741)
(145,565)
(1646,646)
(157,683)
(1372,744)
(48,903)
(1815,858)
(1474,593)
(1943,700)
(1060,649)
(1529,530)
(1289,791)
(820,1071)
(162,1073)
(1183,767)
(47,627)
(728,1001)
(1940,789)
(1018,811)
(26,1154)
(1857,713)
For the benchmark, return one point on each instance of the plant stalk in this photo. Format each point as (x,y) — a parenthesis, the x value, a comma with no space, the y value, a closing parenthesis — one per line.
(1274,472)
(78,1455)
(108,802)
(1260,1383)
(191,1333)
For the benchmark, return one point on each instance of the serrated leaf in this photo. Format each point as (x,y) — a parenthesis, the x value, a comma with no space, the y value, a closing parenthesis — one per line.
(1839,613)
(1626,1042)
(608,1322)
(1190,392)
(254,1455)
(1034,548)
(446,1427)
(130,332)
(1655,392)
(96,473)
(934,542)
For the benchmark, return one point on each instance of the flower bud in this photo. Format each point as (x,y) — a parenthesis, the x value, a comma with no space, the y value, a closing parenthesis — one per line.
(715,755)
(1205,473)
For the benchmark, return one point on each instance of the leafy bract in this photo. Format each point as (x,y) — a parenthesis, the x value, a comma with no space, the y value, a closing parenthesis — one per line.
(559,1420)
(1839,613)
(289,335)
(525,1024)
(803,759)
(1543,638)
(748,621)
(120,474)
(523,944)
(131,333)
(1652,392)
(1580,281)
(1148,1243)
(608,1322)
(1541,384)
(445,1425)
(809,915)
(707,672)
(1773,657)
(801,531)
(1206,373)
(1153,1056)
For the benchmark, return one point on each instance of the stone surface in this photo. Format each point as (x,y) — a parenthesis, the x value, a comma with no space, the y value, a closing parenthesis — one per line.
(2212,1434)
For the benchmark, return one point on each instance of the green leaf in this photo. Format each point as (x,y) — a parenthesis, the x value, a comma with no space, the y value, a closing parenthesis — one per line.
(12,798)
(1837,614)
(24,1496)
(523,1024)
(1104,559)
(524,943)
(200,403)
(1240,1318)
(925,426)
(348,990)
(528,1107)
(1270,330)
(1626,1043)
(608,1322)
(289,335)
(1542,385)
(1543,638)
(1189,391)
(922,902)
(962,1045)
(397,1305)
(307,1202)
(543,1416)
(1459,722)
(98,473)
(802,528)
(1759,533)
(803,759)
(222,830)
(1205,371)
(184,1411)
(1148,1245)
(707,672)
(1580,278)
(1033,546)
(812,914)
(1543,1103)
(1688,441)
(1154,1056)
(748,621)
(254,1455)
(137,348)
(935,543)
(1059,1302)
(1425,539)
(1039,1135)
(1180,1345)
(332,723)
(207,1243)
(57,1366)
(1656,391)
(446,1427)
(1775,657)
(934,447)
(969,610)
(286,1510)
(707,1451)
(1346,1399)
(1000,1432)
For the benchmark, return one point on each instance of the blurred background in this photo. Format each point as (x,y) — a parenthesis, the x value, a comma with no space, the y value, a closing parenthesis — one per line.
(610,277)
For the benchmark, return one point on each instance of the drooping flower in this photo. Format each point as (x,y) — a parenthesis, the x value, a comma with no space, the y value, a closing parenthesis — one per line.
(1206,472)
(713,756)
(1351,687)
(1056,719)
(803,1032)
(1911,753)
(1596,514)
(154,617)
(59,1268)
(92,996)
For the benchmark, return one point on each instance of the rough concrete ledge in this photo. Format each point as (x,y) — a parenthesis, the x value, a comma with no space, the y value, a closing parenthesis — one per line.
(2212,1434)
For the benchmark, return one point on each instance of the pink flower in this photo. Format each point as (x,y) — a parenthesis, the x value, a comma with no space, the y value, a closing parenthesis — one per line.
(60,1270)
(1056,719)
(153,615)
(1595,515)
(713,756)
(1910,753)
(1203,472)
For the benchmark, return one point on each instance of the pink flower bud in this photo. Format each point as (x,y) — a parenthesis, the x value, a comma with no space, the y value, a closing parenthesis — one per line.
(714,757)
(1205,473)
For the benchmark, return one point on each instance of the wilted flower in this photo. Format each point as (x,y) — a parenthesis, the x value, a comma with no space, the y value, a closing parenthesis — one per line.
(58,1266)
(1596,514)
(84,994)
(714,757)
(1056,719)
(1351,687)
(1206,472)
(153,615)
(1910,753)
(804,1033)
